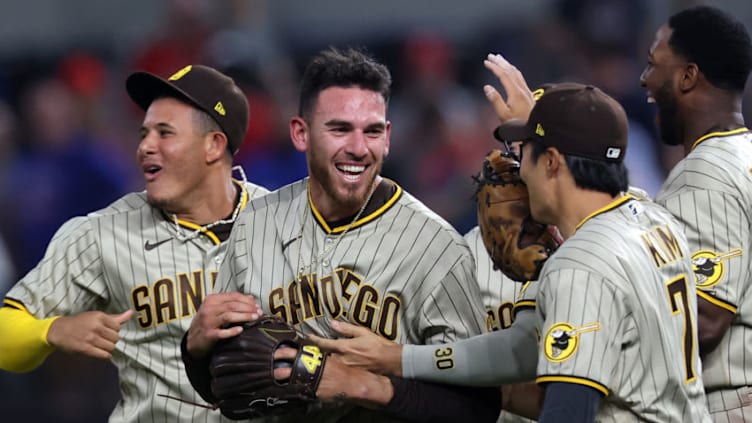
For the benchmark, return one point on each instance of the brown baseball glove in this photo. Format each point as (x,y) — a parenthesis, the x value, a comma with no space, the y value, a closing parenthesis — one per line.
(242,370)
(517,244)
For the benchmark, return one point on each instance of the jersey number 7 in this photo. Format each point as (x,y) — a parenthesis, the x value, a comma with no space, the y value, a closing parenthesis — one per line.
(677,298)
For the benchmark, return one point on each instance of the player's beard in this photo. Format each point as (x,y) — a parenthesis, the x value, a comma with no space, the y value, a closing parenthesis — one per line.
(354,196)
(667,115)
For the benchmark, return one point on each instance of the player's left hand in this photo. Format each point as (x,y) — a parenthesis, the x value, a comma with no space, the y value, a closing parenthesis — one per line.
(362,348)
(519,101)
(214,320)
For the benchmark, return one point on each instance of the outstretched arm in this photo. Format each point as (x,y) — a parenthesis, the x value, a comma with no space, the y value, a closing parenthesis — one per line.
(490,359)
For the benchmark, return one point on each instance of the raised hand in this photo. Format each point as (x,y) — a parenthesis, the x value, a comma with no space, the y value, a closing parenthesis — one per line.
(93,333)
(217,311)
(519,101)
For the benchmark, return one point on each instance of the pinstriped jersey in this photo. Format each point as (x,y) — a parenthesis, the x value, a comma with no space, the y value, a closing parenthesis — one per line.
(617,312)
(399,270)
(499,295)
(127,256)
(710,192)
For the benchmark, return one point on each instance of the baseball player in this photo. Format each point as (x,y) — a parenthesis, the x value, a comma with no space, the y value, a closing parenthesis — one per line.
(124,282)
(345,243)
(697,69)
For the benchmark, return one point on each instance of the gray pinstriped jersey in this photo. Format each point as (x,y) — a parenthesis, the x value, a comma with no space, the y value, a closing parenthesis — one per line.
(499,295)
(710,192)
(617,312)
(401,271)
(103,262)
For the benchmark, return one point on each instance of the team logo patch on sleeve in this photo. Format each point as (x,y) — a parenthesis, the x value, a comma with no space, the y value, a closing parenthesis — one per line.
(562,340)
(709,266)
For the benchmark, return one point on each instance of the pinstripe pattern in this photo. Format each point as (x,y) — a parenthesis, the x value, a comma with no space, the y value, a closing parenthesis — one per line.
(499,295)
(609,289)
(401,271)
(710,192)
(99,262)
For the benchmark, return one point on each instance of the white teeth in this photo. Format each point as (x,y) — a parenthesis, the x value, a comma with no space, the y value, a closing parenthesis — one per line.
(651,100)
(352,168)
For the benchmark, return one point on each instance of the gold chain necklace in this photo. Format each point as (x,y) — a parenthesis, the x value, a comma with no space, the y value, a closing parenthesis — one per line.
(243,194)
(304,269)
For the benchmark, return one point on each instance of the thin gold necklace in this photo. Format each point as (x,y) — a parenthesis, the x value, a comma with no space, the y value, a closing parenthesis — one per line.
(182,236)
(304,269)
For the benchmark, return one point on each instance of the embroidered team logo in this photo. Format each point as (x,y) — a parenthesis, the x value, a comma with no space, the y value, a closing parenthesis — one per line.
(562,340)
(709,266)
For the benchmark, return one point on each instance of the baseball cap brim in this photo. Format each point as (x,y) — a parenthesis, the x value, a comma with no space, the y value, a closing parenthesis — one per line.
(144,87)
(513,130)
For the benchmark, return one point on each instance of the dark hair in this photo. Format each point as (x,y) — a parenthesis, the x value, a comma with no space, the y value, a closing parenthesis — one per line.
(335,68)
(715,41)
(594,175)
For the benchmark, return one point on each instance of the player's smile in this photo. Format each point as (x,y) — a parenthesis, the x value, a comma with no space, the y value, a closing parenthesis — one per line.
(351,172)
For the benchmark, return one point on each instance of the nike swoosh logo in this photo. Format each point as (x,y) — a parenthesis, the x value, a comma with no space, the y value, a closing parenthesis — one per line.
(287,243)
(148,246)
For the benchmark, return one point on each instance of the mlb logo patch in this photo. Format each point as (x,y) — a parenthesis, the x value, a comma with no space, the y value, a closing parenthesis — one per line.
(613,153)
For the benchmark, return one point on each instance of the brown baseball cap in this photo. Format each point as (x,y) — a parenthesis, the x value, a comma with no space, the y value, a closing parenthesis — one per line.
(579,120)
(203,87)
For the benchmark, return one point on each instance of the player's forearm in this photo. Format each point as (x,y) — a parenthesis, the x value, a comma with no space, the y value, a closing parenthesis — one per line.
(197,370)
(23,340)
(408,400)
(712,322)
(523,399)
(491,359)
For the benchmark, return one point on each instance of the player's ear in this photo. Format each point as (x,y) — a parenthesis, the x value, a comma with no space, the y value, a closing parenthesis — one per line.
(554,159)
(299,133)
(215,145)
(387,134)
(690,77)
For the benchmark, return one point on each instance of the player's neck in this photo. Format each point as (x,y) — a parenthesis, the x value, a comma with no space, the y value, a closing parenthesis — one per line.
(214,201)
(715,114)
(579,207)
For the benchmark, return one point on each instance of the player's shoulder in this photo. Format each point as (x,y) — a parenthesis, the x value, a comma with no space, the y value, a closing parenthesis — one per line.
(282,197)
(421,215)
(254,190)
(133,201)
(718,163)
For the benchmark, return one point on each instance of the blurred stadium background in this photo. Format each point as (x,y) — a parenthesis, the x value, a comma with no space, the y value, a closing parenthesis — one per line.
(68,131)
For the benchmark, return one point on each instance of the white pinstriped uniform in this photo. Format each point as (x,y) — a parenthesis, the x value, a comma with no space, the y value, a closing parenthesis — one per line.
(617,312)
(499,296)
(710,192)
(101,262)
(401,271)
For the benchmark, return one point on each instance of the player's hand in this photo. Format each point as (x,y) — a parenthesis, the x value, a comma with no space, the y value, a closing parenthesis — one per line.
(92,333)
(519,101)
(363,348)
(341,382)
(217,311)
